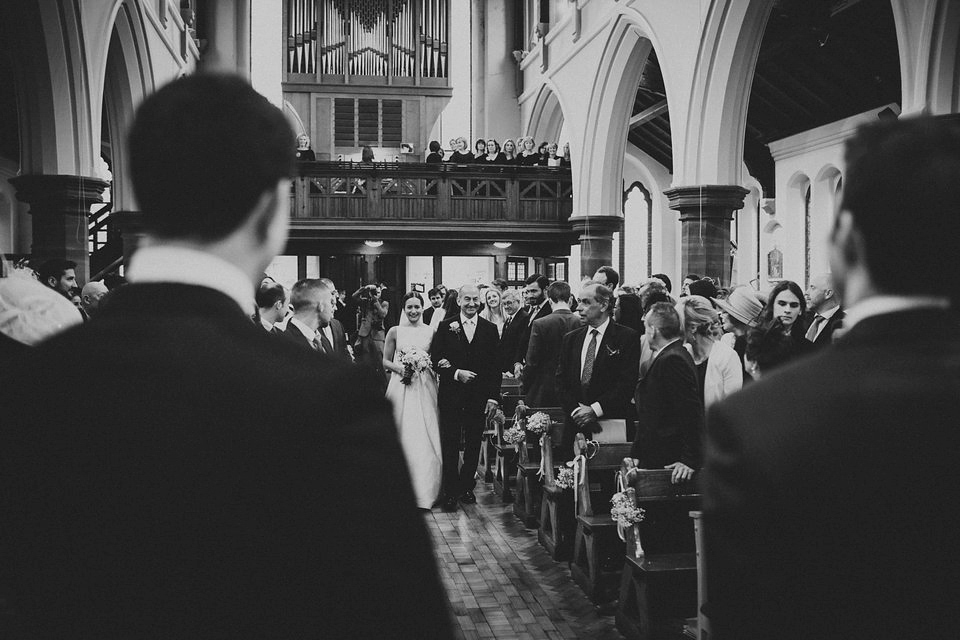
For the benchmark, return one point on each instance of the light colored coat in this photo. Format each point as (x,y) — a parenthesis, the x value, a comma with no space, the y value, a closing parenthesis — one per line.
(724,373)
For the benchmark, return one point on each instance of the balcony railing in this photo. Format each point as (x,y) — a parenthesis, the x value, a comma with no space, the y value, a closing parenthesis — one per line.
(445,193)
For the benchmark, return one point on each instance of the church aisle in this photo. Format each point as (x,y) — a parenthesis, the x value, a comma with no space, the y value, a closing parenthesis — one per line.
(501,582)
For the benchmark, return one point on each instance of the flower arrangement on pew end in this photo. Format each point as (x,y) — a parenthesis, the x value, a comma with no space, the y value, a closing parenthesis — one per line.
(515,434)
(564,478)
(539,423)
(624,511)
(414,361)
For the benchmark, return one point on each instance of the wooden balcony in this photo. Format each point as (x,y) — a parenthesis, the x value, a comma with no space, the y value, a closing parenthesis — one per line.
(337,201)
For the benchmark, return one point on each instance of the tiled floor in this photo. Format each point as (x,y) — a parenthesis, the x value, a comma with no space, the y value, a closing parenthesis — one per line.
(501,582)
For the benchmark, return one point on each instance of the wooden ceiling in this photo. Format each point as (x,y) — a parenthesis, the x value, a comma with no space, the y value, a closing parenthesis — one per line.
(820,61)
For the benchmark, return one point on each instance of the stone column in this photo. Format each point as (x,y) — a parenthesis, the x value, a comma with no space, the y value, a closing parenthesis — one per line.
(60,206)
(705,215)
(596,241)
(130,224)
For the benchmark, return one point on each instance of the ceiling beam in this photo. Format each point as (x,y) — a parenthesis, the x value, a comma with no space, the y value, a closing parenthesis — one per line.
(648,114)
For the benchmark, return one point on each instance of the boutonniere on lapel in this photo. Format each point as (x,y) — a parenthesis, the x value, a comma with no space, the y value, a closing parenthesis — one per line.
(611,352)
(455,327)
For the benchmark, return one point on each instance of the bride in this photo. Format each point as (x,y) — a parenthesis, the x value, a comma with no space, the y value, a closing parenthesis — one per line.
(413,391)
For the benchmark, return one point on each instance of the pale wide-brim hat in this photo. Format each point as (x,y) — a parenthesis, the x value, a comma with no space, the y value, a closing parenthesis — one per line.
(31,312)
(744,305)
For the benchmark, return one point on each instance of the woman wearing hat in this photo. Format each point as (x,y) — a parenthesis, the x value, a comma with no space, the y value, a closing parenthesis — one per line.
(719,369)
(739,313)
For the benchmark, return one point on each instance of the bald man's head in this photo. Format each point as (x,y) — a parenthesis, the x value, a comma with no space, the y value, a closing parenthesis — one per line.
(469,300)
(820,293)
(90,296)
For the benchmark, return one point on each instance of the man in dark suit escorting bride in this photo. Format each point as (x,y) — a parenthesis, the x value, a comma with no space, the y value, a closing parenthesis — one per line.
(464,354)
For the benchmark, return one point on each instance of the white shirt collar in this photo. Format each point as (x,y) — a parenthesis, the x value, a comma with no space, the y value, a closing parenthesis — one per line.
(879,305)
(464,319)
(602,329)
(826,315)
(268,326)
(189,266)
(307,331)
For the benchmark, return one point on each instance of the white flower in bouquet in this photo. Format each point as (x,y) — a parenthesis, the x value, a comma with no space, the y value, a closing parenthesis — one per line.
(514,435)
(416,359)
(624,512)
(539,422)
(565,478)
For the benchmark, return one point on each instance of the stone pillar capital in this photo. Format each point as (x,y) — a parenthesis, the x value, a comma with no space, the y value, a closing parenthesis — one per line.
(60,205)
(705,215)
(596,240)
(713,200)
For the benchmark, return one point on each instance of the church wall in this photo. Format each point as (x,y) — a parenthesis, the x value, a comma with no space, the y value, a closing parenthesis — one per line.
(811,159)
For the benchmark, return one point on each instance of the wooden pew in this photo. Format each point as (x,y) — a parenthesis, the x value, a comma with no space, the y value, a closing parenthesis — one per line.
(526,503)
(506,455)
(658,586)
(558,514)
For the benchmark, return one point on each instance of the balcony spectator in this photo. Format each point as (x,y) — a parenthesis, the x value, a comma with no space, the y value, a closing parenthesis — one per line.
(436,153)
(479,150)
(553,160)
(529,156)
(494,155)
(304,152)
(461,153)
(510,152)
(565,158)
(542,152)
(366,155)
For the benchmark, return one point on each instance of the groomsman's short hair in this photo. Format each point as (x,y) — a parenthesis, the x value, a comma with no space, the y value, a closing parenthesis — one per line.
(559,291)
(269,294)
(301,296)
(203,150)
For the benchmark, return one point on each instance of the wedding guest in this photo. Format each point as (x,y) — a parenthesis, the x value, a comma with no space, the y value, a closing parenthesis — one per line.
(461,153)
(271,299)
(510,152)
(528,153)
(704,287)
(331,328)
(30,313)
(494,155)
(436,153)
(514,324)
(687,281)
(492,309)
(538,306)
(553,160)
(542,153)
(740,312)
(304,152)
(543,353)
(436,301)
(500,284)
(662,277)
(607,276)
(782,313)
(719,369)
(90,296)
(669,402)
(565,158)
(60,275)
(479,150)
(824,313)
(628,311)
(207,500)
(822,440)
(371,334)
(366,155)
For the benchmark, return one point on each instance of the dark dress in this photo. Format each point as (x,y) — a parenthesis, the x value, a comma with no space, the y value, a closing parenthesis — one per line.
(499,159)
(531,160)
(434,158)
(306,155)
(460,158)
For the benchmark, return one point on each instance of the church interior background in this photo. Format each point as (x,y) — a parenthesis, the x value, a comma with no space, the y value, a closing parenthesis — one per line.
(705,136)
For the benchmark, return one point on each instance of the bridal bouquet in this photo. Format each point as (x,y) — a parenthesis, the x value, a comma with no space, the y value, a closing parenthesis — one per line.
(624,512)
(413,361)
(538,422)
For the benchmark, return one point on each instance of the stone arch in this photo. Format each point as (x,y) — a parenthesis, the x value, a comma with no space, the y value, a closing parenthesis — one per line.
(127,79)
(730,42)
(546,117)
(604,138)
(296,122)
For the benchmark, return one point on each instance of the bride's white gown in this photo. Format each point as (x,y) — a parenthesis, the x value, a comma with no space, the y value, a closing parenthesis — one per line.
(415,410)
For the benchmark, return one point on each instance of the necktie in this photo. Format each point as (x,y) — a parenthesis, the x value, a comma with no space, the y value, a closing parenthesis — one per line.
(506,323)
(588,361)
(814,327)
(325,343)
(533,315)
(315,343)
(469,328)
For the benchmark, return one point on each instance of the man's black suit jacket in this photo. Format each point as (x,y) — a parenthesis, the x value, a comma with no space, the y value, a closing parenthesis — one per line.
(828,490)
(510,341)
(612,382)
(669,411)
(339,337)
(543,354)
(825,337)
(212,493)
(479,356)
(524,340)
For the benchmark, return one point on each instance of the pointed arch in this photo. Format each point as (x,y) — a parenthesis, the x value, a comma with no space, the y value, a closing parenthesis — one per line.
(546,116)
